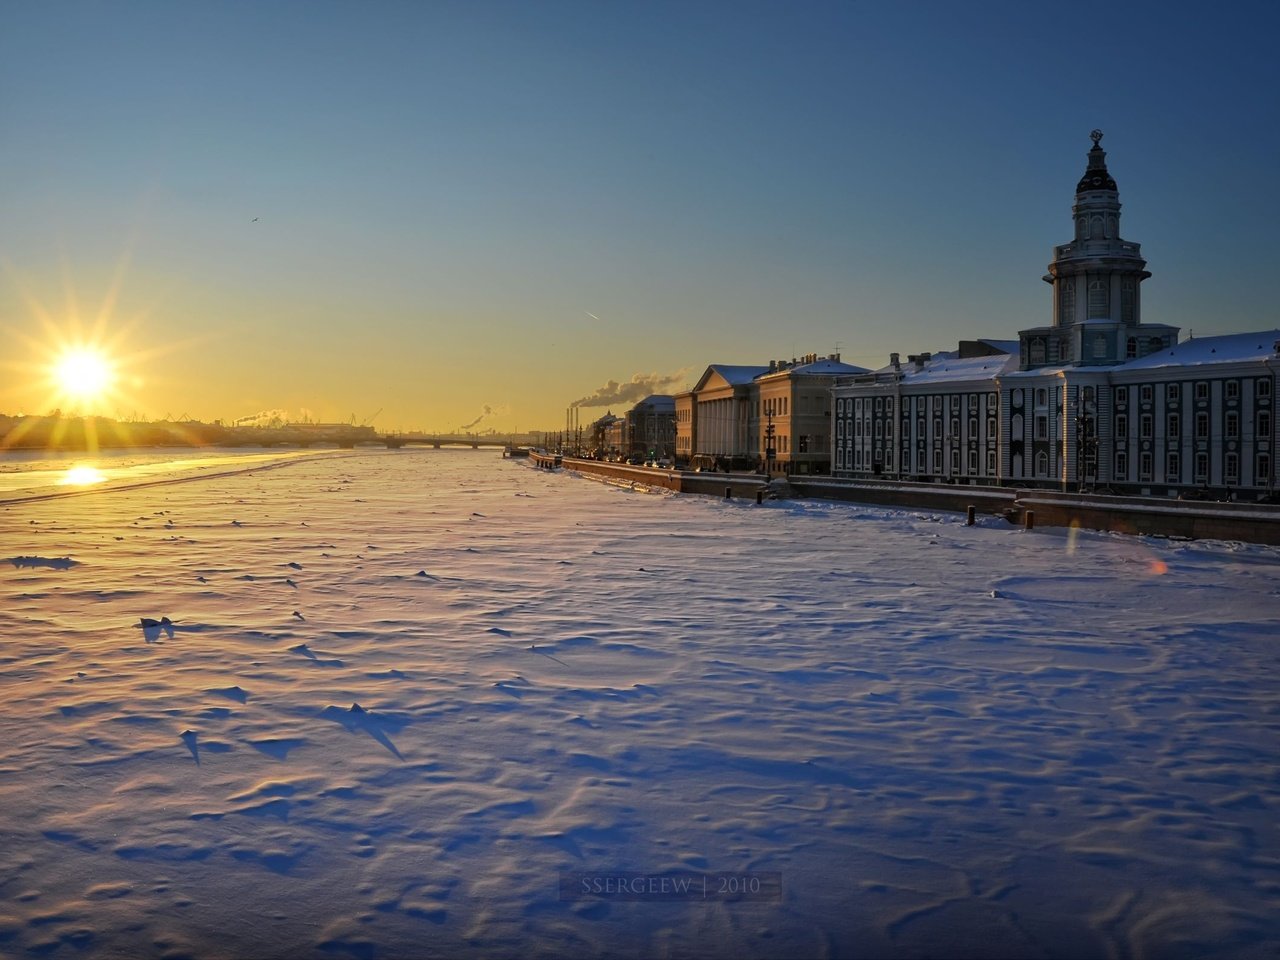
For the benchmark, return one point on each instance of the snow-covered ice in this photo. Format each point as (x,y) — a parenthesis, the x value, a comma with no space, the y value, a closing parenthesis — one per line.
(399,694)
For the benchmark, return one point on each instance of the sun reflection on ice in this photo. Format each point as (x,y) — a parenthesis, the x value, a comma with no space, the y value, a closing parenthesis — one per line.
(82,475)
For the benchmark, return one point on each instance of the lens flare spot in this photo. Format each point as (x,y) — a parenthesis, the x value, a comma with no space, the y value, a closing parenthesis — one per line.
(1159,568)
(82,476)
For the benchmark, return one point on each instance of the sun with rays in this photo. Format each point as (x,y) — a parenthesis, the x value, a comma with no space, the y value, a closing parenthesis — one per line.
(84,375)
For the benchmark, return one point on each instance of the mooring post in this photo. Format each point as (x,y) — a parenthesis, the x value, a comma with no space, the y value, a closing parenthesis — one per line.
(728,493)
(1029,520)
(969,515)
(759,497)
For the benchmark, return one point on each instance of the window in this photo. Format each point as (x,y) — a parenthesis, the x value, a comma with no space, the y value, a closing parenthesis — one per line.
(879,429)
(879,405)
(937,428)
(955,403)
(1264,425)
(991,462)
(888,406)
(1127,301)
(973,429)
(920,429)
(1144,466)
(991,428)
(1122,395)
(857,458)
(1099,346)
(1098,302)
(839,458)
(955,461)
(1264,388)
(1145,428)
(1122,465)
(955,428)
(1171,393)
(1202,425)
(1202,467)
(937,461)
(1233,425)
(840,428)
(973,461)
(1262,472)
(839,407)
(1036,358)
(1232,468)
(1202,390)
(1233,389)
(1042,397)
(1042,427)
(1175,427)
(1042,464)
(857,428)
(1173,467)
(1146,393)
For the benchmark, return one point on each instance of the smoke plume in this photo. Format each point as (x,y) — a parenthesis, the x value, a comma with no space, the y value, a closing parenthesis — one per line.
(488,411)
(637,388)
(264,418)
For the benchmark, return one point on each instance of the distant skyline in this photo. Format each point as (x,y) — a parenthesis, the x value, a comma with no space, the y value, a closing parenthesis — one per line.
(479,213)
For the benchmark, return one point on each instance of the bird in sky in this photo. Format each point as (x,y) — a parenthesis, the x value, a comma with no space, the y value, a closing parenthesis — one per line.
(254,220)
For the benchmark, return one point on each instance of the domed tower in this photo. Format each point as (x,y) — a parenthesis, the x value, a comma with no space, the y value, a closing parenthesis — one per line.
(1097,275)
(1097,306)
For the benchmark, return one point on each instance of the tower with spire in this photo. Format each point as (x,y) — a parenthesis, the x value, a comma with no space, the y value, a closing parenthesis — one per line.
(1096,279)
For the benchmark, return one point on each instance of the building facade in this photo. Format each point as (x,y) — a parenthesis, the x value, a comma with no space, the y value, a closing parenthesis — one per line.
(1097,399)
(651,427)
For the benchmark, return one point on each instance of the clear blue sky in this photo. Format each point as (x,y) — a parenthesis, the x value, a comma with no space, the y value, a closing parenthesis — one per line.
(448,194)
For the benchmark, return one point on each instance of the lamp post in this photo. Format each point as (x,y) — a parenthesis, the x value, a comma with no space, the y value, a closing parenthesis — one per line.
(769,451)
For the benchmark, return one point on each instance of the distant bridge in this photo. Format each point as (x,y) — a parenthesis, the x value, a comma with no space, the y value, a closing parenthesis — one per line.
(347,437)
(397,440)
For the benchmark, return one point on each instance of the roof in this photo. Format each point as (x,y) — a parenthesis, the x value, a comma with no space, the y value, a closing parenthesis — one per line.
(1230,348)
(659,401)
(821,367)
(944,368)
(738,374)
(1008,346)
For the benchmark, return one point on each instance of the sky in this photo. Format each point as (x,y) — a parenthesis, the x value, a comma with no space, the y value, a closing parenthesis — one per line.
(429,214)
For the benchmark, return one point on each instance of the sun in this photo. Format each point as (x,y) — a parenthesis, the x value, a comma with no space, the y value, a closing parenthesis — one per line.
(84,374)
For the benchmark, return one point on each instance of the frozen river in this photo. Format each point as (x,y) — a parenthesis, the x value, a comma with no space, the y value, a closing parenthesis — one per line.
(925,739)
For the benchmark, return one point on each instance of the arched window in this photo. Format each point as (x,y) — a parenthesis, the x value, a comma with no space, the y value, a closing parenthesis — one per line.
(1042,464)
(1099,346)
(1067,300)
(1098,299)
(1128,300)
(1037,352)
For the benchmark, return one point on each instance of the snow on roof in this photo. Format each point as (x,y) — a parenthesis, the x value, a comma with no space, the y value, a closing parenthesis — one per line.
(948,367)
(823,366)
(1008,346)
(738,374)
(1230,348)
(659,401)
(827,365)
